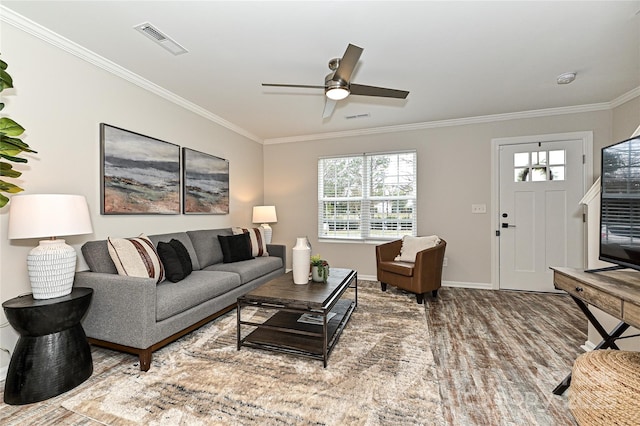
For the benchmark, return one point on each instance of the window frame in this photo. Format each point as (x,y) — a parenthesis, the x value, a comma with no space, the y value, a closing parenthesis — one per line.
(365,229)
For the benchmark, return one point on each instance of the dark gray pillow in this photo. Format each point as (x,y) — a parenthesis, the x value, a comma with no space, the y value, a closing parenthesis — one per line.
(172,266)
(235,247)
(183,256)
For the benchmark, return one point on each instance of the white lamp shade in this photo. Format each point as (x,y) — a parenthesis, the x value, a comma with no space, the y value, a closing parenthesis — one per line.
(48,215)
(264,214)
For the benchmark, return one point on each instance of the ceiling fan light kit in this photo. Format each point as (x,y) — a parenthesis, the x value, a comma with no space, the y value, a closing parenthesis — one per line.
(337,85)
(337,93)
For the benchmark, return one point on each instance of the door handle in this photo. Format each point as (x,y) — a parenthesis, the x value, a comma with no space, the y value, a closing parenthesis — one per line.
(506,225)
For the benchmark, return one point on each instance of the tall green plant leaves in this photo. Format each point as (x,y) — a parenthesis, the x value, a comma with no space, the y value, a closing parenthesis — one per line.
(10,145)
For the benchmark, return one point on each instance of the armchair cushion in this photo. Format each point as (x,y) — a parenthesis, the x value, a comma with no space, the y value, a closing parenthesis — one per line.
(412,245)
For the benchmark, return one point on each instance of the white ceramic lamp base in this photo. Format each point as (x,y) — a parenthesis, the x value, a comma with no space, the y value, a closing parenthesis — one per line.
(267,231)
(52,267)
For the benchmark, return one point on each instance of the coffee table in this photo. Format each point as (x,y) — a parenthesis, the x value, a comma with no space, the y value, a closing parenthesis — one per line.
(283,331)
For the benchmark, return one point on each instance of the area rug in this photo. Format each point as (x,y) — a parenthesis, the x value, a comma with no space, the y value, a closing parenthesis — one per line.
(380,372)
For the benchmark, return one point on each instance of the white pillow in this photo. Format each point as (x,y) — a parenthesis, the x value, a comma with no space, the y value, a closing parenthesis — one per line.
(136,257)
(258,243)
(412,245)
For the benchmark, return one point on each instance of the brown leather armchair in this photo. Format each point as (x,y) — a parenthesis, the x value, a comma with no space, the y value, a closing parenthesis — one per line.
(420,277)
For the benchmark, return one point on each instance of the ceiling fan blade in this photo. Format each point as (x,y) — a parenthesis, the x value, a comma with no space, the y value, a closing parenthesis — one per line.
(329,106)
(304,86)
(360,89)
(348,63)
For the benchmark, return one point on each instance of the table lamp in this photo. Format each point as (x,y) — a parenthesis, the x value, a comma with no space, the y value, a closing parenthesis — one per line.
(265,215)
(52,264)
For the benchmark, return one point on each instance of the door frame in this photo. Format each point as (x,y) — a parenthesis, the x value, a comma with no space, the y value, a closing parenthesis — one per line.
(587,148)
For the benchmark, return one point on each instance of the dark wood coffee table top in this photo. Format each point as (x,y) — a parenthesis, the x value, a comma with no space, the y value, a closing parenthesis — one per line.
(313,295)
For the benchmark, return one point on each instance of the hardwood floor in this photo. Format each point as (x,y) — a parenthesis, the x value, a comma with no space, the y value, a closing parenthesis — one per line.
(498,355)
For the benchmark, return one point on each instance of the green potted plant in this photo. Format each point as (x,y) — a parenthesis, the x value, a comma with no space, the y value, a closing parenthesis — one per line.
(319,269)
(10,144)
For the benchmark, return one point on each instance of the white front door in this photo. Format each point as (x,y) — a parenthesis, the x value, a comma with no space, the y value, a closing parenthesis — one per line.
(541,221)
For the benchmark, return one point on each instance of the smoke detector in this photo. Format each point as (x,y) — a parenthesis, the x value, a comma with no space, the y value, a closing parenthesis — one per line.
(160,38)
(566,78)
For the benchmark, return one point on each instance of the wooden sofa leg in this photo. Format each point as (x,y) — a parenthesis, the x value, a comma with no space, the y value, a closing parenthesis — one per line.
(434,293)
(145,359)
(420,298)
(383,286)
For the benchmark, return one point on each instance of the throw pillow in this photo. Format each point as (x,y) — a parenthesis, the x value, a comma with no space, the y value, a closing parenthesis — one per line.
(183,256)
(235,247)
(136,257)
(172,265)
(256,236)
(412,245)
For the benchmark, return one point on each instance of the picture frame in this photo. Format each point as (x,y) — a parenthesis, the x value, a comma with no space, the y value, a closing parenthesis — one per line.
(205,183)
(138,174)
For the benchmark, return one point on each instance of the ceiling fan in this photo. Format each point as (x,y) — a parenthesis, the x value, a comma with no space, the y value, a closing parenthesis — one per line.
(337,85)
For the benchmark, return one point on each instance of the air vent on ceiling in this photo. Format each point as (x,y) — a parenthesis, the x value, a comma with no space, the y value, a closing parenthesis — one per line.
(159,37)
(351,117)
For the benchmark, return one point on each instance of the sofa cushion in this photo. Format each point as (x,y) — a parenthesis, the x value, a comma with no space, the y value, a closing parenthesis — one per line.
(412,245)
(176,261)
(136,257)
(258,242)
(400,268)
(235,248)
(186,242)
(197,288)
(207,246)
(96,254)
(249,269)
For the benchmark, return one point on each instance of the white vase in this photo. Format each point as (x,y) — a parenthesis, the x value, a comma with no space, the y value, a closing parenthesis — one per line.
(301,260)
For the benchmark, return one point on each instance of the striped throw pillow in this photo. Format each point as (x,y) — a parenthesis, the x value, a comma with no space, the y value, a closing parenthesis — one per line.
(258,244)
(136,257)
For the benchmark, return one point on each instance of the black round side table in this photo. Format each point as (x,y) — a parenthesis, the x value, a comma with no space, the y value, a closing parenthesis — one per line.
(52,355)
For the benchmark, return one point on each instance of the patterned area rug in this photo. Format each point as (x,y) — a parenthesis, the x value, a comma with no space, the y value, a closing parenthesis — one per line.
(380,372)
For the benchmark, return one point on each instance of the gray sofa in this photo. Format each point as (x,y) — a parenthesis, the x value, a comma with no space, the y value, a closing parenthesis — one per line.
(138,316)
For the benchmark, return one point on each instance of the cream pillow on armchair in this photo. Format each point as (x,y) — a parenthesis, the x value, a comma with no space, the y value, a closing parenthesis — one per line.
(412,245)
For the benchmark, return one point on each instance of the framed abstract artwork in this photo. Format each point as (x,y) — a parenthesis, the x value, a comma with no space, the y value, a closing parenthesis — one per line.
(139,174)
(205,183)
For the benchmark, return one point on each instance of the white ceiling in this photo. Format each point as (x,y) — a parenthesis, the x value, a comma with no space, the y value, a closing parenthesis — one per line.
(457,59)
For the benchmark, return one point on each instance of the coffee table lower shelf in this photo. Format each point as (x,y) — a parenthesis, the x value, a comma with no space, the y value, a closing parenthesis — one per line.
(283,333)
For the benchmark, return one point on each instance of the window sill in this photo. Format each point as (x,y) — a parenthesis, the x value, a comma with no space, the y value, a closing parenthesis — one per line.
(354,241)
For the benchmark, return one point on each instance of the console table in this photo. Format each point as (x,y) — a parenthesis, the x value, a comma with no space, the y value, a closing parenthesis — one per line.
(52,355)
(615,292)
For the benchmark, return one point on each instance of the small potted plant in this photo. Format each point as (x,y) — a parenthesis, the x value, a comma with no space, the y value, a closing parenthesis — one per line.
(319,269)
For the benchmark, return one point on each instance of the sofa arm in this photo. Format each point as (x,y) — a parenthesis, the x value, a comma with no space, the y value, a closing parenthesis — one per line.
(278,250)
(122,309)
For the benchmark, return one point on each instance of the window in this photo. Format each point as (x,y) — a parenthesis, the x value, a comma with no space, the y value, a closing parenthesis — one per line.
(367,196)
(539,166)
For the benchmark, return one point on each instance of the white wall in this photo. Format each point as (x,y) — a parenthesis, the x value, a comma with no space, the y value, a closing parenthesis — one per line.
(60,100)
(453,173)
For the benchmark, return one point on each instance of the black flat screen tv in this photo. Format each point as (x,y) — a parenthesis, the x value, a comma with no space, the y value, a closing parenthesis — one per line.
(620,204)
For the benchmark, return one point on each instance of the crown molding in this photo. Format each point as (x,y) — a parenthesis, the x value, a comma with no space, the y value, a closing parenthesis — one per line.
(625,97)
(547,112)
(37,30)
(445,123)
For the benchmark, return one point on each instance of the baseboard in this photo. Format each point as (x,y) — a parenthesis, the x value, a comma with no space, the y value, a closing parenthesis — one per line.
(588,346)
(3,373)
(367,277)
(466,284)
